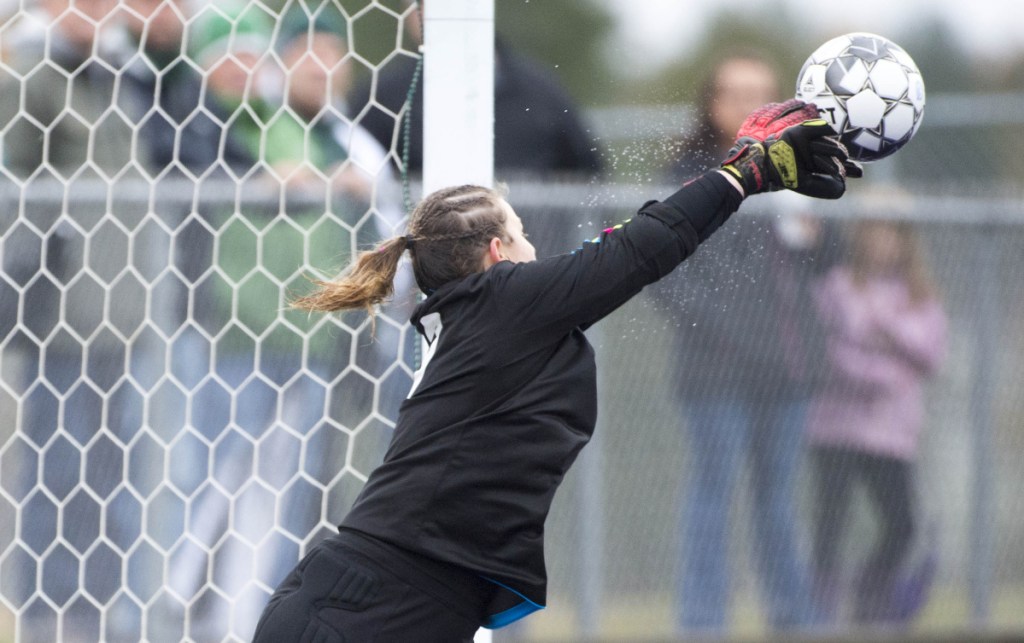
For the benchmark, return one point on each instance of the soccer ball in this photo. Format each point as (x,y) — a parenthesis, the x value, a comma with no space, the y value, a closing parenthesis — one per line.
(868,89)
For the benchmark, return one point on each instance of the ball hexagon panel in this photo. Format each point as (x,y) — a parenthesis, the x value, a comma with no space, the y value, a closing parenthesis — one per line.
(867,140)
(889,79)
(865,110)
(846,75)
(899,122)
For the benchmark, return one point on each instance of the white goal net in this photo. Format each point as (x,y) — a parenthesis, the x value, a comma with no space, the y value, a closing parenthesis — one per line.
(172,436)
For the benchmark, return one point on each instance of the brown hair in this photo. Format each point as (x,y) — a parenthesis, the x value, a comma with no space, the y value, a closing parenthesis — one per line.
(447,235)
(912,267)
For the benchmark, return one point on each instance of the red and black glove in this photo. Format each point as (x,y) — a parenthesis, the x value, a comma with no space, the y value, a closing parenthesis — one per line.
(787,146)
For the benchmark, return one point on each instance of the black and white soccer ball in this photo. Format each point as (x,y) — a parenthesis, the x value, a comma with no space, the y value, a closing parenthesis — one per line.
(869,89)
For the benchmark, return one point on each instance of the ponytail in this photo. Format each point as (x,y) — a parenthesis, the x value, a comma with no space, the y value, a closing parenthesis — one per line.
(447,236)
(367,282)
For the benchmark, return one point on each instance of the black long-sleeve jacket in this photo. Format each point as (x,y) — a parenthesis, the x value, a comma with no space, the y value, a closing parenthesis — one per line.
(507,396)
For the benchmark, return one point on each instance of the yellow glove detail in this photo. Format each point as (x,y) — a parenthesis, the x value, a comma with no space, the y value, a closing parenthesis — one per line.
(784,159)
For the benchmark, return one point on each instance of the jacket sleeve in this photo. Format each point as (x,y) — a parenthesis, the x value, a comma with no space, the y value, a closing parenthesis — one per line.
(580,288)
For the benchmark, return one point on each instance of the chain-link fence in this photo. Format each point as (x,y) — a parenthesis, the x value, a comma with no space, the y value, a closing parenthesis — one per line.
(617,536)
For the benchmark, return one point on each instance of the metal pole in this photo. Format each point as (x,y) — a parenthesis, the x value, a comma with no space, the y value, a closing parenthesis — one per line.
(986,345)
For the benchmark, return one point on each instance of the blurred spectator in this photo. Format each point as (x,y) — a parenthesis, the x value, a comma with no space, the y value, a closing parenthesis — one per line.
(318,71)
(180,130)
(275,380)
(744,316)
(537,128)
(355,166)
(229,41)
(365,197)
(885,336)
(72,79)
(735,86)
(60,80)
(167,98)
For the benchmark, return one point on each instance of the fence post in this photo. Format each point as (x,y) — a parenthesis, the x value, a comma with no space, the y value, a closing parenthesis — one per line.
(986,358)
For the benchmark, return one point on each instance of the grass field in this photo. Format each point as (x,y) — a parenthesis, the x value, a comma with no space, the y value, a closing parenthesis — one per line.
(650,618)
(947,617)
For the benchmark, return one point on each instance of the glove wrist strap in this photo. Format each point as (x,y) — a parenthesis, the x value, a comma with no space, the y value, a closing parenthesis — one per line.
(747,164)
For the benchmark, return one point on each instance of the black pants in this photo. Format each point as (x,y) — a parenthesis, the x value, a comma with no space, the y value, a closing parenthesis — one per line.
(888,482)
(351,589)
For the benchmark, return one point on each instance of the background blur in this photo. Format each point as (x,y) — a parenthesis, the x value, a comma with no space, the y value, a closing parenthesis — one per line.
(131,489)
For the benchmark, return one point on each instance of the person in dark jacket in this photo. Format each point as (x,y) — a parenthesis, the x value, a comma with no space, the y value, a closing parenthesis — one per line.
(744,352)
(537,126)
(168,98)
(448,533)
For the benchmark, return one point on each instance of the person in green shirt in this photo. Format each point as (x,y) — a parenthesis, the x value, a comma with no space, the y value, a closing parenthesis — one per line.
(276,398)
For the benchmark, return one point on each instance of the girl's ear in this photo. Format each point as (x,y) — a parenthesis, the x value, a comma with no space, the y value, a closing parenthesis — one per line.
(495,252)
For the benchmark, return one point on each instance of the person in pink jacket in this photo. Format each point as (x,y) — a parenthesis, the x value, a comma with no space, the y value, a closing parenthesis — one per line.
(885,335)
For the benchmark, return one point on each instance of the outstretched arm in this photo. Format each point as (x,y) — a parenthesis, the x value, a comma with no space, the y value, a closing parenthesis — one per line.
(580,288)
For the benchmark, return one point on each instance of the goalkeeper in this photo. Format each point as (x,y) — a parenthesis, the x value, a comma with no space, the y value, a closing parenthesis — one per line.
(447,535)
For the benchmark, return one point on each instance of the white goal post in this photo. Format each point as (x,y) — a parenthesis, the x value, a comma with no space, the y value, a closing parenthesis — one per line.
(458,101)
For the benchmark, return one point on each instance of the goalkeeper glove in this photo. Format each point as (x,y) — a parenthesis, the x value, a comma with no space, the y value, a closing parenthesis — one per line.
(786,145)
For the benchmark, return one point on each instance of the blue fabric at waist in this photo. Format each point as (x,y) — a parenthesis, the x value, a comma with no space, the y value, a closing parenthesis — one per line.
(491,602)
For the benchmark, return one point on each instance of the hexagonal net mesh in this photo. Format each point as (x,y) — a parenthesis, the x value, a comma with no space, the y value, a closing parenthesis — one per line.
(173,435)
